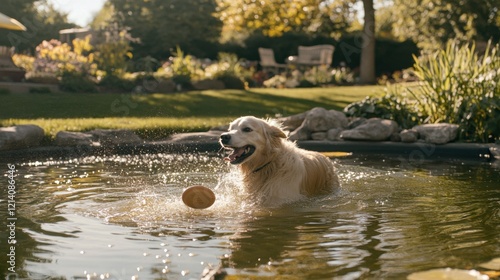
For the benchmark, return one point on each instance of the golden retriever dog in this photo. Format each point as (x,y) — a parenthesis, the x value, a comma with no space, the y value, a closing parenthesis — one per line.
(274,169)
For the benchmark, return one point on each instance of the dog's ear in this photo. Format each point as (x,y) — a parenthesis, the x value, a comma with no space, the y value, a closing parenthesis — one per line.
(277,132)
(274,129)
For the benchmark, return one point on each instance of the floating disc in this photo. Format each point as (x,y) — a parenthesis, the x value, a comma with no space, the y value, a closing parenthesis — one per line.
(336,154)
(198,197)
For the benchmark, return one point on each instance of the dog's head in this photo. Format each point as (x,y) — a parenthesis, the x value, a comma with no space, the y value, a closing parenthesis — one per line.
(251,139)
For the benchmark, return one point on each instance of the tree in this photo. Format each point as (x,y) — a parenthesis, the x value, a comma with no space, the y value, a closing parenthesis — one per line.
(367,67)
(41,19)
(162,25)
(318,17)
(431,23)
(276,17)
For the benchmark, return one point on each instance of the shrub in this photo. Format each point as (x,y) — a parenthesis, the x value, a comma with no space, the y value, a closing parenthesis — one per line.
(462,88)
(76,82)
(391,106)
(57,58)
(113,50)
(231,81)
(231,71)
(181,68)
(23,61)
(113,82)
(318,75)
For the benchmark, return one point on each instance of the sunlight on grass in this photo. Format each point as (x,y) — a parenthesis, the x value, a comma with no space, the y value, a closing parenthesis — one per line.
(150,128)
(157,115)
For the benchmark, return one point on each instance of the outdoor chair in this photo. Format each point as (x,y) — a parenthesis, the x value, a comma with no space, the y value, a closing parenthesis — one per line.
(268,62)
(314,55)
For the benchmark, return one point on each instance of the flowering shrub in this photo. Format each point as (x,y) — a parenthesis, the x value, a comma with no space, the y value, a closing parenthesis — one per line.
(183,69)
(56,57)
(23,61)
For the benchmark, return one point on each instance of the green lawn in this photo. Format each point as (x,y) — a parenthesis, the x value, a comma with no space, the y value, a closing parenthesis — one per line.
(157,115)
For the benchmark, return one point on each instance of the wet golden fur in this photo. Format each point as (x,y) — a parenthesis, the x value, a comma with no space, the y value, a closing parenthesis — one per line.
(278,171)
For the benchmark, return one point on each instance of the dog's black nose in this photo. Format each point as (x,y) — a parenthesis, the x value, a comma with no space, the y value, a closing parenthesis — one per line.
(224,138)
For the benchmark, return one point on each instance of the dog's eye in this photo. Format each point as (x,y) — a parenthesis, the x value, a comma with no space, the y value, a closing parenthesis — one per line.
(247,129)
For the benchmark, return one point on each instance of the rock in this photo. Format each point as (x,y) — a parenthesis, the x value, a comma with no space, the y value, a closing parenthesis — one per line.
(299,134)
(356,122)
(375,129)
(409,135)
(395,137)
(319,120)
(20,136)
(495,151)
(291,123)
(438,133)
(208,84)
(334,134)
(67,138)
(318,136)
(115,137)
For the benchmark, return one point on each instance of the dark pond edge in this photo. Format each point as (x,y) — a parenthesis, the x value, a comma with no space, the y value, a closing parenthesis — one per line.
(409,151)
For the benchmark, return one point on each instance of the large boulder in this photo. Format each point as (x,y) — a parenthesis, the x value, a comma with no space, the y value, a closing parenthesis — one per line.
(20,136)
(319,120)
(67,138)
(437,133)
(409,135)
(291,123)
(334,134)
(374,129)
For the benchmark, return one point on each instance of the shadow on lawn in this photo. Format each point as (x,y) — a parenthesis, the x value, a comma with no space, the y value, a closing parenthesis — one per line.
(226,103)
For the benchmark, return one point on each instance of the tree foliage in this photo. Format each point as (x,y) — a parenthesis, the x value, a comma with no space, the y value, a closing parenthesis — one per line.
(41,19)
(162,25)
(433,22)
(276,17)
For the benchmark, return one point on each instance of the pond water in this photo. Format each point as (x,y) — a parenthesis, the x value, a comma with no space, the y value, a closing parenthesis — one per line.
(121,217)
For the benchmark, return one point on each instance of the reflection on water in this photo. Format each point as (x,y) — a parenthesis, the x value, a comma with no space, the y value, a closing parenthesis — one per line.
(121,217)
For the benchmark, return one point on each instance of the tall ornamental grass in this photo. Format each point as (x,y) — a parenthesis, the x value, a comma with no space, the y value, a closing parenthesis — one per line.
(462,87)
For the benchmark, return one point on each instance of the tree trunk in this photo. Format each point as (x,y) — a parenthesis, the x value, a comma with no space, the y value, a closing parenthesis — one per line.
(367,67)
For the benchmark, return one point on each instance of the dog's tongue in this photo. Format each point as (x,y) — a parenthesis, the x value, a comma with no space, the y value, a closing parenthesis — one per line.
(235,154)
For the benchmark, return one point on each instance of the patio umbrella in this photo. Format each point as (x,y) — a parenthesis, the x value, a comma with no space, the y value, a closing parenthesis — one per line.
(10,23)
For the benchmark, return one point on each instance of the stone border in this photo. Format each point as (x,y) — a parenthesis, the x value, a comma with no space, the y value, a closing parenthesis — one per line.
(417,151)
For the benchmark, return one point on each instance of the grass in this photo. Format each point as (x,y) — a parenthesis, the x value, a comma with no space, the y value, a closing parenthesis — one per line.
(156,115)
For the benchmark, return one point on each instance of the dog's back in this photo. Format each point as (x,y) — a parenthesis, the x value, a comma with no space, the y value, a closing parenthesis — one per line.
(320,176)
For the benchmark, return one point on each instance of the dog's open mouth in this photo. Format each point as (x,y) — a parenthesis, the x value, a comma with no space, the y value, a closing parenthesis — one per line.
(238,155)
